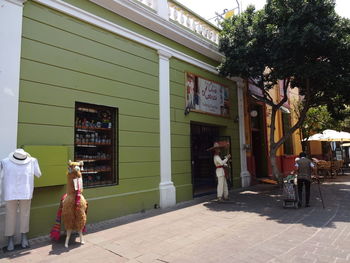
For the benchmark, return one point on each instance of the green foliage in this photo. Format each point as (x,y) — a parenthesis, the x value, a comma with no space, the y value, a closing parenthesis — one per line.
(319,119)
(303,42)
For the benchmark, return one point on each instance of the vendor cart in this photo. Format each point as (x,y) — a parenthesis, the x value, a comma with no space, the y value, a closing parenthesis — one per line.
(290,192)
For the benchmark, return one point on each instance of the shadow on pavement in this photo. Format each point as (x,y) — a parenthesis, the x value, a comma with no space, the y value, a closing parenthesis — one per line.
(264,200)
(57,248)
(267,201)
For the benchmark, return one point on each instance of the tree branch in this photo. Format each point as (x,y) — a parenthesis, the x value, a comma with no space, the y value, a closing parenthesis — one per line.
(285,95)
(301,118)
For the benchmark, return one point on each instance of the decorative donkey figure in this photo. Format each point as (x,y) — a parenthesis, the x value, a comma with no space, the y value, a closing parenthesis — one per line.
(74,205)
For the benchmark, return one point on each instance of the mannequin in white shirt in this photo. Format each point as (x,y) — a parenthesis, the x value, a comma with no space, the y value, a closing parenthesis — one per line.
(18,172)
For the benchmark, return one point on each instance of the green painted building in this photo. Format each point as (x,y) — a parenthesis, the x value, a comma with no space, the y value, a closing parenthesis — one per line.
(130,88)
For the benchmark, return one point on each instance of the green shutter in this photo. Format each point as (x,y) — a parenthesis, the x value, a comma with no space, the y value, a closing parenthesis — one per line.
(53,164)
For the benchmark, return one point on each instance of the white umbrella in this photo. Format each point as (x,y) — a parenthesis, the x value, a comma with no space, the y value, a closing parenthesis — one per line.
(330,136)
(335,136)
(345,136)
(315,137)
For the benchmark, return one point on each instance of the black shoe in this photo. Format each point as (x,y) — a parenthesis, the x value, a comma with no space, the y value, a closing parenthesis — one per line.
(307,205)
(299,205)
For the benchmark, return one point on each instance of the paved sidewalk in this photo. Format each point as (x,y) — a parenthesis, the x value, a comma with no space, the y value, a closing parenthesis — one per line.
(252,227)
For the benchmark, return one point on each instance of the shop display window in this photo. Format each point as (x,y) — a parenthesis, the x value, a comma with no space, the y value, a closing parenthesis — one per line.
(95,143)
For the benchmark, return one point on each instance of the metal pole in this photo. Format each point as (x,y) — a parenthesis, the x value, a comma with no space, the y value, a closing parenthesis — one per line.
(319,189)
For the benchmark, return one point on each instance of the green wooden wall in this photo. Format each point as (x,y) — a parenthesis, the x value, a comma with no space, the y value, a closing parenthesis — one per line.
(181,130)
(63,61)
(124,22)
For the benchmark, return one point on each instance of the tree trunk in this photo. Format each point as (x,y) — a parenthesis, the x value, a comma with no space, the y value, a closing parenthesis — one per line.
(275,171)
(273,145)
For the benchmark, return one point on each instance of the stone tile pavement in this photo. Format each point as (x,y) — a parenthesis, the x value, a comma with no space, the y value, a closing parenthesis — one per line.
(251,227)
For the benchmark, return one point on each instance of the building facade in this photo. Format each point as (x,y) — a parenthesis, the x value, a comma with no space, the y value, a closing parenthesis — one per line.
(128,87)
(257,121)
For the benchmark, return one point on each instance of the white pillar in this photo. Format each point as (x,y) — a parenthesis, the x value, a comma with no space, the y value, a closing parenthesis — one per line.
(166,186)
(162,9)
(245,175)
(10,51)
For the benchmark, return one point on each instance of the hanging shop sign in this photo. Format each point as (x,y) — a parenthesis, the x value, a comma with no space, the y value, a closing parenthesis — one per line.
(254,89)
(206,96)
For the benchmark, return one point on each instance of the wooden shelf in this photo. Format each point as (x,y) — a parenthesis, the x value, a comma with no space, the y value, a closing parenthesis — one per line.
(87,109)
(85,145)
(100,183)
(92,144)
(91,160)
(81,128)
(96,172)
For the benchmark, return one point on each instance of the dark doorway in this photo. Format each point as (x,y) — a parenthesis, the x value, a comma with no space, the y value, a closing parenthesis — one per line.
(259,153)
(203,169)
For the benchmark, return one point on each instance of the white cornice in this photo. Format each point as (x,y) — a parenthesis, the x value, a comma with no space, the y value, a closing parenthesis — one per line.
(80,14)
(164,54)
(151,20)
(17,2)
(239,81)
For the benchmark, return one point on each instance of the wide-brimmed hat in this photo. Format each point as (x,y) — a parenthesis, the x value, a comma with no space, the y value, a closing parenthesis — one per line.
(220,144)
(215,146)
(19,156)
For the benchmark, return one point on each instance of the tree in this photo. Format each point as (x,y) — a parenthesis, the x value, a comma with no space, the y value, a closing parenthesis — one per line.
(302,42)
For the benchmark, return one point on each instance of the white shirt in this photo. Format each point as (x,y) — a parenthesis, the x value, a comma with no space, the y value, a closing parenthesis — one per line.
(18,179)
(219,162)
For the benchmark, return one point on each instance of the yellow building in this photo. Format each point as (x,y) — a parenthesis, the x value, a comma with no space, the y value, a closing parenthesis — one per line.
(257,132)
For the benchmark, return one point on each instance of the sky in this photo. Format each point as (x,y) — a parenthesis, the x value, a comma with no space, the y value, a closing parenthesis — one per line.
(207,8)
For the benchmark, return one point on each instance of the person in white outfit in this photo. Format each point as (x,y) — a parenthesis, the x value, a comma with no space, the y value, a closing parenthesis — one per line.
(18,172)
(222,189)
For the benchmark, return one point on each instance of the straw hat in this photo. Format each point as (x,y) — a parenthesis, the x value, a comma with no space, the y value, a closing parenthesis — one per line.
(19,156)
(215,146)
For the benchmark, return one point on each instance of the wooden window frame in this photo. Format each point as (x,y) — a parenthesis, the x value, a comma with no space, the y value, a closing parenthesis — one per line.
(106,157)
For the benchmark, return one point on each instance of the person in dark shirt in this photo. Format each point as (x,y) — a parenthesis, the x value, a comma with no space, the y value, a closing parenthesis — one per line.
(304,168)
